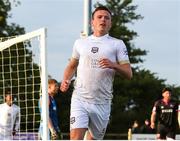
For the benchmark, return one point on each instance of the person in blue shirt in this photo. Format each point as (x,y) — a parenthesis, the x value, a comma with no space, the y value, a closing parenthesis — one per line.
(54,129)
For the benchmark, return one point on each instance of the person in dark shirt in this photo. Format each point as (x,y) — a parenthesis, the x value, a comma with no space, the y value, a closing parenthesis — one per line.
(165,111)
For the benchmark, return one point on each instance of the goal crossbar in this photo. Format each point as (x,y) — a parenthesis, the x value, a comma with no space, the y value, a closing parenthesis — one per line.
(20,38)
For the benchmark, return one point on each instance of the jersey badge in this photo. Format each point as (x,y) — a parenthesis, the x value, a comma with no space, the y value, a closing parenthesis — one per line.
(72,120)
(94,49)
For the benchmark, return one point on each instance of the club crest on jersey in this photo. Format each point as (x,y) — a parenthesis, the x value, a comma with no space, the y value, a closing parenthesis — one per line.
(94,49)
(72,120)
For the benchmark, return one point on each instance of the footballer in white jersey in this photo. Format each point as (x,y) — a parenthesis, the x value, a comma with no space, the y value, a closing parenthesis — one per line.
(9,120)
(95,60)
(93,83)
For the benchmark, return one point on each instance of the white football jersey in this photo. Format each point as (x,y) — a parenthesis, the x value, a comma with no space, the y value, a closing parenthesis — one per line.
(94,84)
(9,119)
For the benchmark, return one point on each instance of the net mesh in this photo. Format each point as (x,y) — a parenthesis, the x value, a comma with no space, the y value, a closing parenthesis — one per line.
(20,73)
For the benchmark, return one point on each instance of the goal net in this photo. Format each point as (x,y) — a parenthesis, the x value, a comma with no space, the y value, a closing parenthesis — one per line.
(23,74)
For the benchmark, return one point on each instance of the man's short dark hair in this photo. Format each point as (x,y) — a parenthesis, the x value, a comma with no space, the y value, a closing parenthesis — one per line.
(101,8)
(166,89)
(7,92)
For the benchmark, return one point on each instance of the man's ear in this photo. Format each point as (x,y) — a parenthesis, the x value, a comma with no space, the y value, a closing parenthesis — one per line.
(91,22)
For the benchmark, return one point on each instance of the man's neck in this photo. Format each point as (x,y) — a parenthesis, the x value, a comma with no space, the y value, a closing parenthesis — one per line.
(99,34)
(166,100)
(9,103)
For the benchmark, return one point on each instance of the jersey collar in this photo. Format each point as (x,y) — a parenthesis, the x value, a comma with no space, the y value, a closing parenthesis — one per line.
(100,38)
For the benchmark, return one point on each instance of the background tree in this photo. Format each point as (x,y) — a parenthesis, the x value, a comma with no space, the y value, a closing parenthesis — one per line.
(7,29)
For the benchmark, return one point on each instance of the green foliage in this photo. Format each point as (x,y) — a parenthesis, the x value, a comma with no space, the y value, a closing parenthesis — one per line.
(5,28)
(134,98)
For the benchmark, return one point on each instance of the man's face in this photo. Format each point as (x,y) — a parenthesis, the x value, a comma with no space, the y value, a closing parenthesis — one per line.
(167,94)
(8,98)
(101,22)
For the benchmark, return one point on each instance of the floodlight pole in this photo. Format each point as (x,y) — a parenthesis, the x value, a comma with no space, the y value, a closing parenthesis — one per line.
(87,18)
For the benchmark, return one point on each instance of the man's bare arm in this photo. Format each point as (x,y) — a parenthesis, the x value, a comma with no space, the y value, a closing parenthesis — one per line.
(153,118)
(68,74)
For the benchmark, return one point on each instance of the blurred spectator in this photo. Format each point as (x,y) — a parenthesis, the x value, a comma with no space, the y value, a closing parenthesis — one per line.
(146,127)
(135,127)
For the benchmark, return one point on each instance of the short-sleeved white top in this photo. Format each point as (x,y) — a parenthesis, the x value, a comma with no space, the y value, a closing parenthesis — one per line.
(94,84)
(9,118)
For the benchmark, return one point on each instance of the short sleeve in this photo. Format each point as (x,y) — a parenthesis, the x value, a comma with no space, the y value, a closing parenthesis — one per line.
(75,53)
(155,107)
(122,53)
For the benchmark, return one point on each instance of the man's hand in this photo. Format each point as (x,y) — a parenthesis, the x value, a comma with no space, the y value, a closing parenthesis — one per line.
(106,63)
(152,125)
(64,85)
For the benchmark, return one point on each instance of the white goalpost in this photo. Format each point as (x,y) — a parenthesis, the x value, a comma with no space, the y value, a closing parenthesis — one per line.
(23,71)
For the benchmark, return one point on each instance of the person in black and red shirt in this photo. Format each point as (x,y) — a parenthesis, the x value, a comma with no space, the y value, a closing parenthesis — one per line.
(165,111)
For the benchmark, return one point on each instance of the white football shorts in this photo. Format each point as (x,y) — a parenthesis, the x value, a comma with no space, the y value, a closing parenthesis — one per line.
(94,117)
